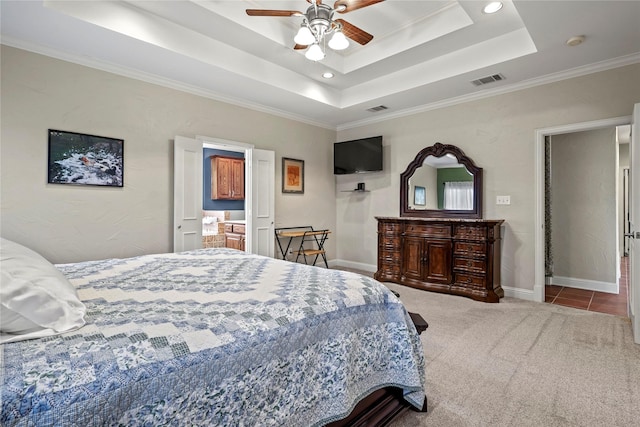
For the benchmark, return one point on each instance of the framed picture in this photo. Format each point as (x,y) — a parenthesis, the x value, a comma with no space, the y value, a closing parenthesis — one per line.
(292,175)
(419,196)
(80,159)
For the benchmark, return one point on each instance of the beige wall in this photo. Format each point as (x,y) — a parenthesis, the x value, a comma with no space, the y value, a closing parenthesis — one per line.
(70,224)
(583,205)
(74,223)
(427,177)
(498,133)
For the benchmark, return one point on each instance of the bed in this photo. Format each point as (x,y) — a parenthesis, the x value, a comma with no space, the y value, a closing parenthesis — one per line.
(214,337)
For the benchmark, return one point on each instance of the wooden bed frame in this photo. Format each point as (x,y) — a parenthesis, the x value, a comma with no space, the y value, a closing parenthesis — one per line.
(382,406)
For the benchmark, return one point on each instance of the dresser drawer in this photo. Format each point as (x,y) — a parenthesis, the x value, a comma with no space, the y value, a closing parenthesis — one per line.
(387,273)
(390,257)
(471,265)
(469,280)
(388,242)
(470,232)
(428,230)
(389,228)
(470,249)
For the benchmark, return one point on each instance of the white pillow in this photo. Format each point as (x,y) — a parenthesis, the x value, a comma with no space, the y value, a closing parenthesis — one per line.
(36,300)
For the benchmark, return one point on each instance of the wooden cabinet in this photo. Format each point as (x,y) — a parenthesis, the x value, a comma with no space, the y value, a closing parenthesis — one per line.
(227,178)
(454,256)
(234,236)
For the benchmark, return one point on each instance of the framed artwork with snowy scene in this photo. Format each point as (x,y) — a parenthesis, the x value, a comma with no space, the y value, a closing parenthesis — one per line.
(80,159)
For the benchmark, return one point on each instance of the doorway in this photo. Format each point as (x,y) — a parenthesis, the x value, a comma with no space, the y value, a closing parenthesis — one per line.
(188,193)
(259,193)
(540,288)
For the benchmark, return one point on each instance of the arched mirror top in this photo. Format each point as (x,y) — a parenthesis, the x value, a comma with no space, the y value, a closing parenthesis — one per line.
(441,182)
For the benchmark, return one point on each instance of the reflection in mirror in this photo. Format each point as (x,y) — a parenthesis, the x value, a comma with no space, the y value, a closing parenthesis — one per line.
(441,182)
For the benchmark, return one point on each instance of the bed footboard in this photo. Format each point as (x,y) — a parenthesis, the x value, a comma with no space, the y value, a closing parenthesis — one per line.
(378,409)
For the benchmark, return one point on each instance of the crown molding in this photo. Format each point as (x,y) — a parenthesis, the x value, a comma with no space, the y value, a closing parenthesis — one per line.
(194,90)
(539,81)
(154,79)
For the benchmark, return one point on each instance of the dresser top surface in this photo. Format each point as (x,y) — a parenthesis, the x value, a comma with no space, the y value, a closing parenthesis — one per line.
(441,220)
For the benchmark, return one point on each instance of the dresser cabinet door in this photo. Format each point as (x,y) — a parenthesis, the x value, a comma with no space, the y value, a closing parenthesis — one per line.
(427,259)
(438,261)
(413,257)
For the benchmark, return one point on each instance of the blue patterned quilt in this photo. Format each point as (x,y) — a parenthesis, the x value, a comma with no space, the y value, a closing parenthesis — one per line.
(213,337)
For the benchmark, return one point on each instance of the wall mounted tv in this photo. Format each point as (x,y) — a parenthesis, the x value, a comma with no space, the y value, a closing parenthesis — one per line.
(357,156)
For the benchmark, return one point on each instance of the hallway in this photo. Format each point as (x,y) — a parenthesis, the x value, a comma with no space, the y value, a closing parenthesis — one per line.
(592,300)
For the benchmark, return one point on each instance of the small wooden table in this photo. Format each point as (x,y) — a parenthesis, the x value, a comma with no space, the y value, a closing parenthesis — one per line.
(306,234)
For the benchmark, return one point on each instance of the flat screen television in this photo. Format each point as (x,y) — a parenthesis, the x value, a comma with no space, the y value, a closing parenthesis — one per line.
(357,156)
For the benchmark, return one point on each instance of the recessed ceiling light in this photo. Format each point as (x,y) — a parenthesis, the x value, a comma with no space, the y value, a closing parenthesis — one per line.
(492,7)
(575,40)
(327,75)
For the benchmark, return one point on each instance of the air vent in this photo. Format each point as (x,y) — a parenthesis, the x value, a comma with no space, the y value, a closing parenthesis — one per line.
(488,79)
(376,109)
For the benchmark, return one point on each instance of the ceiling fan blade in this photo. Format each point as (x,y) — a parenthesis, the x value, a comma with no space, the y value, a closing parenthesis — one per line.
(356,34)
(268,12)
(300,46)
(350,5)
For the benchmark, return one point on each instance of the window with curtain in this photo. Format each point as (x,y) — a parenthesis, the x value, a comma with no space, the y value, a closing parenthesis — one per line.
(458,195)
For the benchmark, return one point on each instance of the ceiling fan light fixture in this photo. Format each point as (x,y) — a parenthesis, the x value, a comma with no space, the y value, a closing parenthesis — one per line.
(314,53)
(338,41)
(304,36)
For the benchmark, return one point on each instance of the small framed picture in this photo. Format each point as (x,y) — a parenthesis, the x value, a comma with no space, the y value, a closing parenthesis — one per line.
(292,175)
(81,159)
(419,196)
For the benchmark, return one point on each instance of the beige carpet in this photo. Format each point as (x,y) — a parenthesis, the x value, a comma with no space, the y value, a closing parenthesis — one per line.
(520,363)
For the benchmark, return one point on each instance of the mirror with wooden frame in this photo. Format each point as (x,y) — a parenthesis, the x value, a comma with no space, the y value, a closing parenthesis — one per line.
(441,182)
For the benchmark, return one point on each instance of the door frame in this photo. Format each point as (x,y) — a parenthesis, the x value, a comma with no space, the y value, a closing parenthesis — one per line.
(247,149)
(539,232)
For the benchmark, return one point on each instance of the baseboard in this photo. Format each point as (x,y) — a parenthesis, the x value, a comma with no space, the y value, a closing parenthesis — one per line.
(635,326)
(355,265)
(589,285)
(525,294)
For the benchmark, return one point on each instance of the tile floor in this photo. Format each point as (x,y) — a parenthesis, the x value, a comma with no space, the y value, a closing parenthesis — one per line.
(592,300)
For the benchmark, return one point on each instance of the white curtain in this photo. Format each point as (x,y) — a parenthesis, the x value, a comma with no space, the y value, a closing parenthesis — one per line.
(458,195)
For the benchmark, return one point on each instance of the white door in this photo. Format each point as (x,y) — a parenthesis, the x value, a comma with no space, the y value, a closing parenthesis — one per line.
(262,202)
(187,194)
(634,204)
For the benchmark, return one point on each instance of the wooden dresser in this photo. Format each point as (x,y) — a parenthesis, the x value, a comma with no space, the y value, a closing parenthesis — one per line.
(455,256)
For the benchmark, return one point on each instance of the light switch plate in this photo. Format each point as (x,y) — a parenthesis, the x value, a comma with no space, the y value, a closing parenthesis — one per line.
(503,200)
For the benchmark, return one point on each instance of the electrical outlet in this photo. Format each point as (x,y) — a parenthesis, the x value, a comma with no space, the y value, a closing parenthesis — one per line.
(503,200)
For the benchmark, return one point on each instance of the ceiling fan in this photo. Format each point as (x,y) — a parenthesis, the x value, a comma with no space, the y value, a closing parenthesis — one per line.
(318,21)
